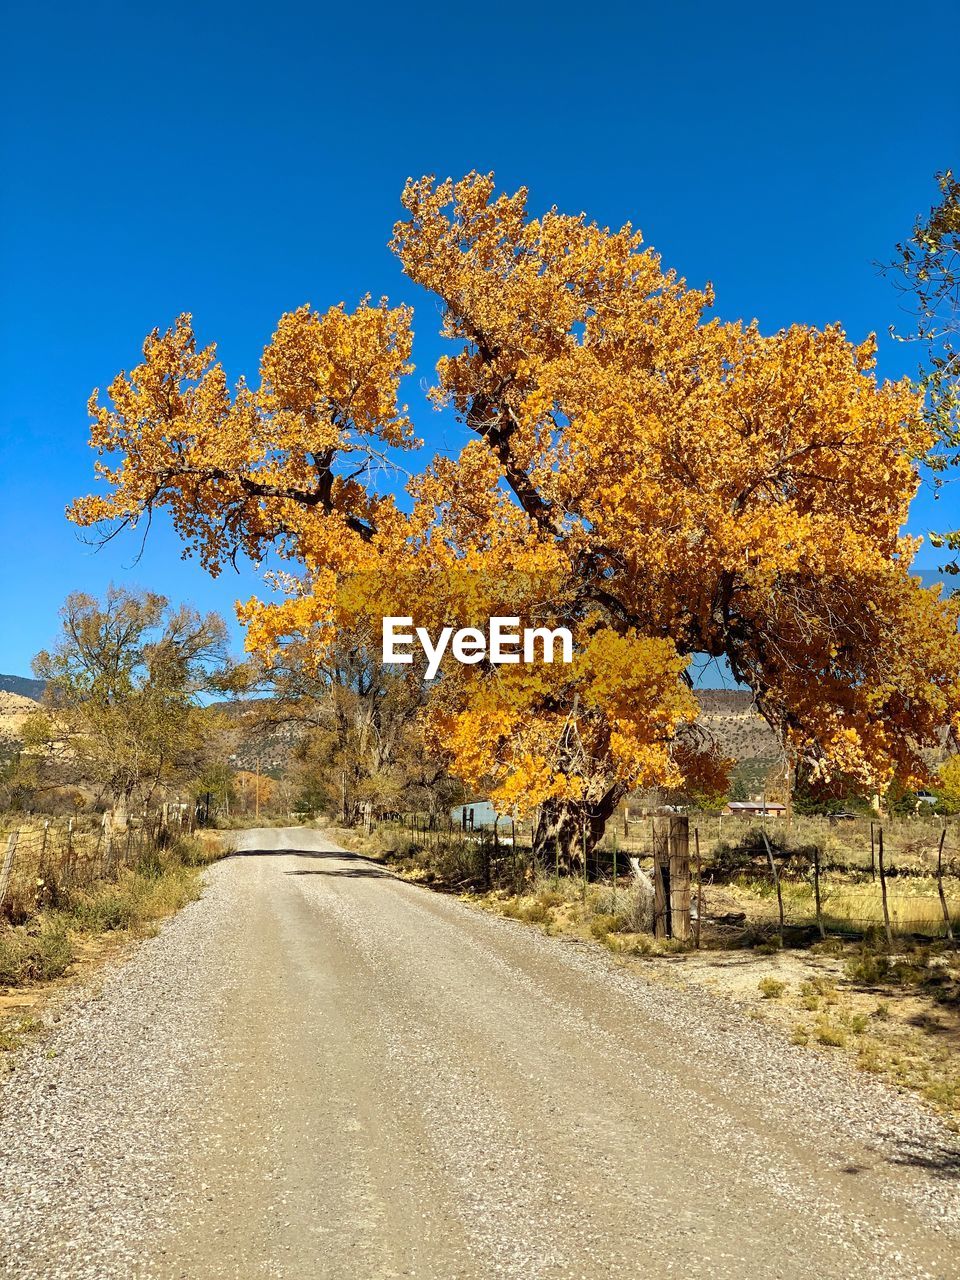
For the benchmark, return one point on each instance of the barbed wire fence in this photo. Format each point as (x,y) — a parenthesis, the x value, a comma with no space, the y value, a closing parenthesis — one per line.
(46,859)
(817,876)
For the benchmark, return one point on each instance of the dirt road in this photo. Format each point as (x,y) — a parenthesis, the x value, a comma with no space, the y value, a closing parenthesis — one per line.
(321,1071)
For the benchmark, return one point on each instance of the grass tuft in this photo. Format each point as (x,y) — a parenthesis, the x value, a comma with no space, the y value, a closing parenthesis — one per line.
(771,988)
(829,1034)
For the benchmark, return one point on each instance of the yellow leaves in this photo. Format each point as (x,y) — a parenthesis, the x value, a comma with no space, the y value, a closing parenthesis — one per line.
(241,473)
(532,734)
(333,373)
(948,781)
(685,485)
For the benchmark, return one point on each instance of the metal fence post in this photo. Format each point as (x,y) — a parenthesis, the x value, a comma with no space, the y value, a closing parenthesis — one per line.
(12,839)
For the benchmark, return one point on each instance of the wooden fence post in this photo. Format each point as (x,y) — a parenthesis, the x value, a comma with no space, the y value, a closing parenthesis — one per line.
(583,850)
(883,888)
(661,877)
(614,872)
(943,897)
(671,877)
(696,843)
(776,882)
(816,888)
(873,854)
(680,877)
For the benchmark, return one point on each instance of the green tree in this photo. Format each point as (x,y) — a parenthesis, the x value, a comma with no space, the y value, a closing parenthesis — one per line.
(928,267)
(122,711)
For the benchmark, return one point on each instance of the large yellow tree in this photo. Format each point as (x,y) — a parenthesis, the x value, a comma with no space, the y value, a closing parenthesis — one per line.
(664,483)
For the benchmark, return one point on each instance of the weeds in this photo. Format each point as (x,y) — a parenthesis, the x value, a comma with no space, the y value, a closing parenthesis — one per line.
(35,953)
(868,969)
(771,988)
(15,1030)
(830,1034)
(605,923)
(161,882)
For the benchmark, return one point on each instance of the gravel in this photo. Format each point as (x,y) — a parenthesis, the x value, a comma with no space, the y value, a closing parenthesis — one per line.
(319,1070)
(94,1108)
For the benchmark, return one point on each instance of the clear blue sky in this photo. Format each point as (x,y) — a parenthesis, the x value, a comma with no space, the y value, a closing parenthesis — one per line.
(236,161)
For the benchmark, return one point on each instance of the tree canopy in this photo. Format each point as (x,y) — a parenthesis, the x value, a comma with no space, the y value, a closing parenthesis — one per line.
(120,708)
(928,270)
(664,482)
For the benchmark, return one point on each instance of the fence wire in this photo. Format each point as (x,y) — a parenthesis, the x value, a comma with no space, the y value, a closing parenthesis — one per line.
(44,859)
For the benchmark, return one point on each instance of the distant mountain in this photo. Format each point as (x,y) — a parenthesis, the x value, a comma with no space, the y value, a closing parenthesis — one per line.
(23,685)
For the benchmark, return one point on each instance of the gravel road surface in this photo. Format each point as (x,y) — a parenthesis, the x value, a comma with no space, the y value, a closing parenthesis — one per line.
(318,1070)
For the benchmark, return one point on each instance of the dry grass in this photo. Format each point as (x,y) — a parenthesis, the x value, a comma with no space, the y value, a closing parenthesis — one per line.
(46,945)
(850,903)
(771,988)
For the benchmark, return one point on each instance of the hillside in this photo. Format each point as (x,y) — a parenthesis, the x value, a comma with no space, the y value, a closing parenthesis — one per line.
(728,714)
(22,685)
(255,743)
(14,710)
(732,719)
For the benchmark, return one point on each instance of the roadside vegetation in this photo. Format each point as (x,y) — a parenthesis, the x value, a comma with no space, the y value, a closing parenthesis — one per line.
(41,943)
(62,912)
(108,786)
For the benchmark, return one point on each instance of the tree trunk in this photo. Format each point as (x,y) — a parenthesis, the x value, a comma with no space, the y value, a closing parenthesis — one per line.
(120,811)
(562,824)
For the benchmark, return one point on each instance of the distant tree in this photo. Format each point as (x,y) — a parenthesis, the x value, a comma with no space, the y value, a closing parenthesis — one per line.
(121,712)
(18,777)
(363,749)
(255,792)
(947,786)
(213,787)
(738,789)
(928,266)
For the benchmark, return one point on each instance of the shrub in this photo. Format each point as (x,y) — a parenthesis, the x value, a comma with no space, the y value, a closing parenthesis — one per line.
(820,985)
(54,950)
(868,968)
(771,988)
(639,915)
(828,1033)
(12,955)
(42,955)
(535,912)
(605,923)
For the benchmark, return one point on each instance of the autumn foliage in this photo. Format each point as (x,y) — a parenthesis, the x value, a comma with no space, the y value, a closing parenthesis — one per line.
(663,482)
